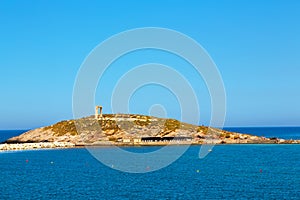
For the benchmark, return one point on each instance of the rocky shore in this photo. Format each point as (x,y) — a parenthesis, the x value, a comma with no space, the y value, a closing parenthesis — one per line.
(128,130)
(39,145)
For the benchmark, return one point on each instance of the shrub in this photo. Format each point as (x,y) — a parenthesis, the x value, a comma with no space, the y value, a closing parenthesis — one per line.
(171,125)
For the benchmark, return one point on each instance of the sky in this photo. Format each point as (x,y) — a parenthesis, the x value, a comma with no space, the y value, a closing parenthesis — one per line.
(255,45)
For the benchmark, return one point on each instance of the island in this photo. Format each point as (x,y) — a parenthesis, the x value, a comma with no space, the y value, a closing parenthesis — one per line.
(128,130)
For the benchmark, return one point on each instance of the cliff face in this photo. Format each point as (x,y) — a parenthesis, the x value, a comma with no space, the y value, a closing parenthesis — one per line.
(125,129)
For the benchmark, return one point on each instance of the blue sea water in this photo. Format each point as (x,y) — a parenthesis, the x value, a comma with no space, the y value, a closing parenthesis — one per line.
(228,172)
(6,134)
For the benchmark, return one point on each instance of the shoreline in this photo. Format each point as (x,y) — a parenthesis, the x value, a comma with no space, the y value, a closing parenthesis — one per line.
(129,130)
(67,145)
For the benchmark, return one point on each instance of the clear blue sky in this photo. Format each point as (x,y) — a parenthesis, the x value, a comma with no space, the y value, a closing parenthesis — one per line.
(255,44)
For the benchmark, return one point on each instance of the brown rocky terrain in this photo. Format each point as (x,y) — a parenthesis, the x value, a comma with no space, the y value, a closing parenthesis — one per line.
(130,129)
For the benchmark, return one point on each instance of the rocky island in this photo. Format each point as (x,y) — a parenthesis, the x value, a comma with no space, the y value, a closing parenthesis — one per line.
(128,130)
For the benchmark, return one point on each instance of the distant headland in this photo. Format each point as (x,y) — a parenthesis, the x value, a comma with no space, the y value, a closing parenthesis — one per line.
(128,130)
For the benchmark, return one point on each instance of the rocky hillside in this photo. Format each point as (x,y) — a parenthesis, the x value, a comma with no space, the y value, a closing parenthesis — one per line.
(130,129)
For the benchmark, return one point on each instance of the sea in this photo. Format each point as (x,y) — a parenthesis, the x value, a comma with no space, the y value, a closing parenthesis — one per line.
(240,171)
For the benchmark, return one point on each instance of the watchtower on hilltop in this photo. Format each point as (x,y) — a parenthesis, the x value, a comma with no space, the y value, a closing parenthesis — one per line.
(98,112)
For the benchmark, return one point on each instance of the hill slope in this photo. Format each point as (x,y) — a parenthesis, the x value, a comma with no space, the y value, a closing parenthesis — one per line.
(130,129)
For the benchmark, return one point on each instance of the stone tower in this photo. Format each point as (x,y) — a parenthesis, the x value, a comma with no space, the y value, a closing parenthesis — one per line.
(98,112)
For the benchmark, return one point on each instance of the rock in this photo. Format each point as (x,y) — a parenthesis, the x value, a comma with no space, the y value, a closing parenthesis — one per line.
(113,129)
(30,146)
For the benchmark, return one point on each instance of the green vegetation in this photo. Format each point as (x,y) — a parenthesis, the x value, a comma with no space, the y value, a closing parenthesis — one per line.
(142,121)
(171,125)
(107,125)
(116,127)
(131,123)
(222,135)
(112,139)
(63,127)
(203,129)
(227,135)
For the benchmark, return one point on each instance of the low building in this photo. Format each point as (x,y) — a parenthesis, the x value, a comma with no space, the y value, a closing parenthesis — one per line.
(137,140)
(166,139)
(126,140)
